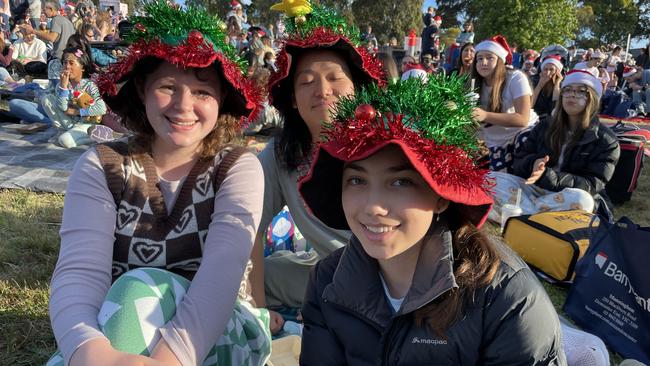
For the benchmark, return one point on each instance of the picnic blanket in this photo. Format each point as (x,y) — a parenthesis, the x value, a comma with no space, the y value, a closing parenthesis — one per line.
(31,162)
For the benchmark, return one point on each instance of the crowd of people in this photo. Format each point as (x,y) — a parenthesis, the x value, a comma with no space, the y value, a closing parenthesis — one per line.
(162,258)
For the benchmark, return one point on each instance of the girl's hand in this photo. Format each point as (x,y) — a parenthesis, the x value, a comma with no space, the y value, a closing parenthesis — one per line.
(99,352)
(65,79)
(539,166)
(479,114)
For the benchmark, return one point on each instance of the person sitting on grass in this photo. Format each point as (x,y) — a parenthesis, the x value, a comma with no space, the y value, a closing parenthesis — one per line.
(567,159)
(419,283)
(316,67)
(60,108)
(157,230)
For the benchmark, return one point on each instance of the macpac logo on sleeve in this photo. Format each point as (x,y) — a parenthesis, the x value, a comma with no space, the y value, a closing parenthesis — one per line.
(435,342)
(611,270)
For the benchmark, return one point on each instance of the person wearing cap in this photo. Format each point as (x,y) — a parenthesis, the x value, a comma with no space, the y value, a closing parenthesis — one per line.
(321,60)
(505,109)
(419,283)
(567,158)
(547,90)
(157,229)
(591,65)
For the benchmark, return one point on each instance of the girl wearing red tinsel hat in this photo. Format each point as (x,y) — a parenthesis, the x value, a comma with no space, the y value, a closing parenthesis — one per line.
(419,283)
(158,229)
(321,60)
(505,109)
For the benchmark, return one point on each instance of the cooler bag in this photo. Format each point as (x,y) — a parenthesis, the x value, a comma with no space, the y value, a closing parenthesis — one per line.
(551,242)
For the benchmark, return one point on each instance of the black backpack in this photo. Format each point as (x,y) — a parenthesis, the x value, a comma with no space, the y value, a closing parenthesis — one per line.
(630,164)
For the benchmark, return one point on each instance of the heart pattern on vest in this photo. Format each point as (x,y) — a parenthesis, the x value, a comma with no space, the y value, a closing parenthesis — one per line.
(184,220)
(147,253)
(126,216)
(203,182)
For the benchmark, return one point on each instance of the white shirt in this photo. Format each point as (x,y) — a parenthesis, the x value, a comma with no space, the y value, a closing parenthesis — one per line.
(394,302)
(37,51)
(516,86)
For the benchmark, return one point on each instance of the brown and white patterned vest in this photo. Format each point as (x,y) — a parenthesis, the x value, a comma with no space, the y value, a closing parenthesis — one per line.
(146,235)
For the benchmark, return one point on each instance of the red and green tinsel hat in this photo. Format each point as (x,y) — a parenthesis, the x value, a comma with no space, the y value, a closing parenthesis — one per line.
(432,124)
(187,38)
(310,26)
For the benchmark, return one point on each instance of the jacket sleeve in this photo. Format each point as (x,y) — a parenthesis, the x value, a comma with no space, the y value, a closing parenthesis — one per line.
(595,176)
(320,345)
(101,58)
(521,327)
(529,151)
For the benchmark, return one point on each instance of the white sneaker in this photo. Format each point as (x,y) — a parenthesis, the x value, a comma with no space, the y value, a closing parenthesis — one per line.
(582,348)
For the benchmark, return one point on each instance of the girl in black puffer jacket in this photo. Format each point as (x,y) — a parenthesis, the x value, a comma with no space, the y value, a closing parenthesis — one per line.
(418,283)
(568,158)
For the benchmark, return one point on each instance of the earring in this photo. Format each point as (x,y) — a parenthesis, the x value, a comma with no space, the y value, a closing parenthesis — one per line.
(437,217)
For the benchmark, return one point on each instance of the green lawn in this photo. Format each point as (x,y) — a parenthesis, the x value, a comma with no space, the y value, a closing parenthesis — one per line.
(29,224)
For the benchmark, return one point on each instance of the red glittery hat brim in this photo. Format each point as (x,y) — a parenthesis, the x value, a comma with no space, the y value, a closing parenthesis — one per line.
(192,53)
(321,38)
(449,171)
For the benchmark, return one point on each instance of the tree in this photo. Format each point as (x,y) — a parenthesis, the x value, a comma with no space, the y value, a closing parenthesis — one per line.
(449,10)
(613,19)
(389,18)
(531,24)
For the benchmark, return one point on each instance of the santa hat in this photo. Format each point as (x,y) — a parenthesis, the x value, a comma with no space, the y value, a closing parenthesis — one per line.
(431,123)
(437,18)
(628,71)
(585,78)
(235,5)
(498,46)
(312,26)
(415,72)
(189,38)
(554,60)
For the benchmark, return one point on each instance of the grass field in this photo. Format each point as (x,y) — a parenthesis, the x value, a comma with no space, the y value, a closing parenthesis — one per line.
(29,224)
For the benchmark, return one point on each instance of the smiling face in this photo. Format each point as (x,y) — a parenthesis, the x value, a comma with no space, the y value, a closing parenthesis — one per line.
(320,79)
(486,63)
(182,106)
(388,205)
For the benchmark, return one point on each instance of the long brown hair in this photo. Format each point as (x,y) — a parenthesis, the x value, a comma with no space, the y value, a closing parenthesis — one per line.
(498,83)
(559,125)
(475,265)
(134,117)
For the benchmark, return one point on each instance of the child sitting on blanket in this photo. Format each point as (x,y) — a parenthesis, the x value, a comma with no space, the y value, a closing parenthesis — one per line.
(567,159)
(58,107)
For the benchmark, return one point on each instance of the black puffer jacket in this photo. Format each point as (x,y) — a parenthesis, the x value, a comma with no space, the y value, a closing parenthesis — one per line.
(348,320)
(589,165)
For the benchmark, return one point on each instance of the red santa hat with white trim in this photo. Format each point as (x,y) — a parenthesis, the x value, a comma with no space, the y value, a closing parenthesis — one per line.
(554,60)
(628,71)
(498,46)
(583,77)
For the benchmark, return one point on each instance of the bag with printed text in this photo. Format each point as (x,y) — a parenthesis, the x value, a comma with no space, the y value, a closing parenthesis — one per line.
(610,296)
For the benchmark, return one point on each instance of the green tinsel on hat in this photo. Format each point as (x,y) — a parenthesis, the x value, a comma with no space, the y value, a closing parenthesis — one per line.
(303,18)
(438,110)
(172,25)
